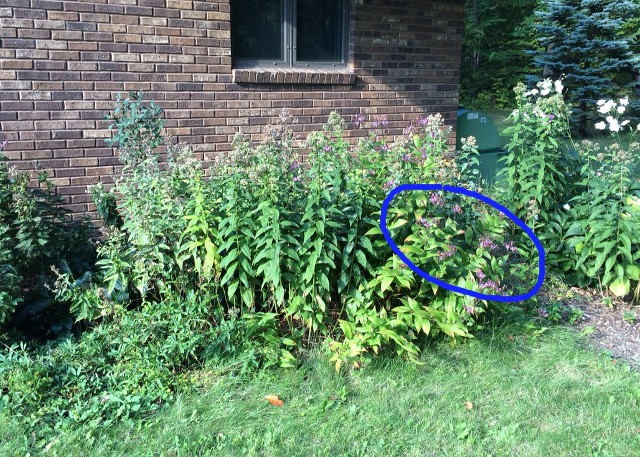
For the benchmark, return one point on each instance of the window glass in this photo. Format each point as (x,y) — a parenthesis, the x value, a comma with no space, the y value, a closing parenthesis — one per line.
(257,30)
(319,31)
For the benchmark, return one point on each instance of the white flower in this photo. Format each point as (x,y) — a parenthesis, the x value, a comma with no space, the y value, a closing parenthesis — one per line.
(638,127)
(566,207)
(621,109)
(608,105)
(601,125)
(601,102)
(624,101)
(546,84)
(624,123)
(559,86)
(613,124)
(545,87)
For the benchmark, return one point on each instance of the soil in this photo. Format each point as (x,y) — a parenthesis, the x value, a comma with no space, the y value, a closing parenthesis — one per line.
(603,320)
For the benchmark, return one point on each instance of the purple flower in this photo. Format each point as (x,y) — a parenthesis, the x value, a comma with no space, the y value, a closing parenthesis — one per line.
(487,243)
(3,144)
(296,178)
(408,130)
(449,252)
(384,122)
(510,246)
(358,120)
(422,221)
(543,312)
(480,274)
(294,166)
(491,285)
(389,184)
(327,148)
(424,121)
(470,309)
(457,209)
(375,124)
(406,158)
(436,199)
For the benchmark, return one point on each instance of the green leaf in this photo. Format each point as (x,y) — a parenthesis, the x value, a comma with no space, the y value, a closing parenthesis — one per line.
(634,272)
(230,257)
(361,258)
(620,287)
(385,283)
(398,223)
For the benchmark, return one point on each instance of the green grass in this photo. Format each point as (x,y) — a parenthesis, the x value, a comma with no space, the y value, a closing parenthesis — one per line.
(532,396)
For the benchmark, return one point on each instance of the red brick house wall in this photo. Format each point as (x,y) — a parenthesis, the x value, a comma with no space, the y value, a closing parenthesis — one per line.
(63,62)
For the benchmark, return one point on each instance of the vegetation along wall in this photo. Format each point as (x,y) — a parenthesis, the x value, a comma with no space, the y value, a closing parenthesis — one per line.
(62,64)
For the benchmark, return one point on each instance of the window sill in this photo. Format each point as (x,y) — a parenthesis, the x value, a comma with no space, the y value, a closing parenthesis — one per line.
(333,76)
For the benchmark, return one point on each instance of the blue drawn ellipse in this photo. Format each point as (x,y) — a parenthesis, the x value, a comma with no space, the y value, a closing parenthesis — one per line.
(477,196)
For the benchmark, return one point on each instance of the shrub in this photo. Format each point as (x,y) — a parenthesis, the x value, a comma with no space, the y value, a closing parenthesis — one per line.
(265,255)
(34,236)
(266,234)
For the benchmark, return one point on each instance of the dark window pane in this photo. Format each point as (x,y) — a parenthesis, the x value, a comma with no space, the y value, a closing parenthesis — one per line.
(257,29)
(319,30)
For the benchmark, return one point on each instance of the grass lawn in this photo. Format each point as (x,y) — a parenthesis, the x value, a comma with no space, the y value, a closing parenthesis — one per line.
(527,395)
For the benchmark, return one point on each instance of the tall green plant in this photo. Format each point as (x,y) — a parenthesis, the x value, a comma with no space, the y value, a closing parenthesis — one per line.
(605,218)
(537,176)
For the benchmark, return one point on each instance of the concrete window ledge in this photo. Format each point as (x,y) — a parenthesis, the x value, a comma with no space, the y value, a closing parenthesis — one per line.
(331,76)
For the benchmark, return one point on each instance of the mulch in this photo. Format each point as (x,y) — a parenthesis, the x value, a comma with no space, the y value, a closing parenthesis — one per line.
(603,322)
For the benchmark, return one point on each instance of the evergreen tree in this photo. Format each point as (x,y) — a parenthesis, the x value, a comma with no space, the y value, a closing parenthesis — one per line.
(588,43)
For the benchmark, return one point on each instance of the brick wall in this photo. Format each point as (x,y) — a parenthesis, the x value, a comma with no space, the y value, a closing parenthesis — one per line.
(62,63)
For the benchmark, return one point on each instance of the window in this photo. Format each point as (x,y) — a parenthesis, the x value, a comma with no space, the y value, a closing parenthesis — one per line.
(288,33)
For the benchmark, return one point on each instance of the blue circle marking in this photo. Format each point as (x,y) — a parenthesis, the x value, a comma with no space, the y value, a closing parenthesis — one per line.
(485,199)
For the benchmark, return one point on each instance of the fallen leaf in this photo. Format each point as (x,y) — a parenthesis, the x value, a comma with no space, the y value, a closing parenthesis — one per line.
(510,337)
(468,404)
(274,400)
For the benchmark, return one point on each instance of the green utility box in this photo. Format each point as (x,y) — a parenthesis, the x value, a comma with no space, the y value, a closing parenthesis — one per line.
(478,124)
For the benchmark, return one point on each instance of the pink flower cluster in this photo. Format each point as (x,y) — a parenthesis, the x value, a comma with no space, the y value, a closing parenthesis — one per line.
(426,224)
(436,199)
(358,121)
(510,246)
(488,284)
(382,123)
(487,243)
(447,253)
